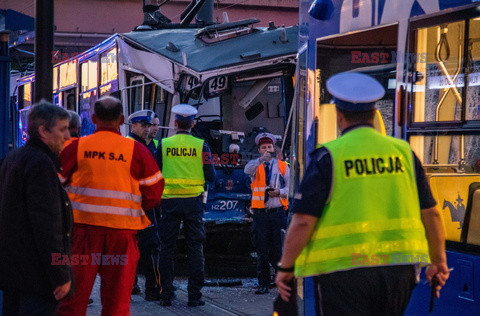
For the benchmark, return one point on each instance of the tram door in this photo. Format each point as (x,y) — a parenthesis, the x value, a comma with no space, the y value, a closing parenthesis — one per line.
(442,128)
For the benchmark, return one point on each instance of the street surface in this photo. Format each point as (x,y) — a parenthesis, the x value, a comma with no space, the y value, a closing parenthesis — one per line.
(235,300)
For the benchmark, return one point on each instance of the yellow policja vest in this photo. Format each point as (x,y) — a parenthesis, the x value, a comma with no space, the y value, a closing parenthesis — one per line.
(373,216)
(182,166)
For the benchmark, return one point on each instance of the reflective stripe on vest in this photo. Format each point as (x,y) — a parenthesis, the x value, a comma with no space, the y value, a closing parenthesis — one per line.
(258,186)
(102,190)
(182,166)
(373,216)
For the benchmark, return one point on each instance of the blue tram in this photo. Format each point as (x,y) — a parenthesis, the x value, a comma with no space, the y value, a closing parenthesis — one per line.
(427,56)
(239,76)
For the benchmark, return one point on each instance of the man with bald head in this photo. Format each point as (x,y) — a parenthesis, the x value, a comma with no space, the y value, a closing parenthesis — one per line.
(110,180)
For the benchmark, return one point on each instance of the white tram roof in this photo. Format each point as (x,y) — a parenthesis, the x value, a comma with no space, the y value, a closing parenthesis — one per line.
(217,46)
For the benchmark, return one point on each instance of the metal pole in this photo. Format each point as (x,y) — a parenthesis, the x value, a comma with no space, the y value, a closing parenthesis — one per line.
(4,93)
(43,50)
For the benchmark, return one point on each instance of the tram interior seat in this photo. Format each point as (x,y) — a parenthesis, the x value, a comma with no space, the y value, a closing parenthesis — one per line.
(471,229)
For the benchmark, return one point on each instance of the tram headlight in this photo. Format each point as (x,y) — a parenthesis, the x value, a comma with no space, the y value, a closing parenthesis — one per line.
(321,9)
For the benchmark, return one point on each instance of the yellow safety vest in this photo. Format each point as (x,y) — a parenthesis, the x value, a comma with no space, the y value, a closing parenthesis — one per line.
(373,216)
(182,166)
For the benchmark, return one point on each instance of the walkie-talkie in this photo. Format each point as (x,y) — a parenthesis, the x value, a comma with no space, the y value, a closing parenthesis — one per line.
(433,293)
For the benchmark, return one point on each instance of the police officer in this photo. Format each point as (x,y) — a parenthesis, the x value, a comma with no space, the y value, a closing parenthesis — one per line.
(152,143)
(140,123)
(364,214)
(184,161)
(270,182)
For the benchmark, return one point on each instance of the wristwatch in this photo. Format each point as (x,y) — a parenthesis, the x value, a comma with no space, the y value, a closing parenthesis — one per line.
(285,269)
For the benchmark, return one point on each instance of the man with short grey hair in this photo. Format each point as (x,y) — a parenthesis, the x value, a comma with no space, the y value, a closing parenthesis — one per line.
(35,218)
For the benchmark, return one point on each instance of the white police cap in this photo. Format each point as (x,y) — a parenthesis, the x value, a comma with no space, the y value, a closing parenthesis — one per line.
(265,138)
(184,112)
(355,92)
(142,116)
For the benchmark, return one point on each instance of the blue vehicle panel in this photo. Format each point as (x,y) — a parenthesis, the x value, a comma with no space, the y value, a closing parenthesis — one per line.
(229,197)
(460,296)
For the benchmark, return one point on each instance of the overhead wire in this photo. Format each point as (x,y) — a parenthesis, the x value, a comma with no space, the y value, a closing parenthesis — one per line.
(215,10)
(28,7)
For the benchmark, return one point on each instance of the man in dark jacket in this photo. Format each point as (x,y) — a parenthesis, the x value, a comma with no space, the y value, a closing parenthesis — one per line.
(35,219)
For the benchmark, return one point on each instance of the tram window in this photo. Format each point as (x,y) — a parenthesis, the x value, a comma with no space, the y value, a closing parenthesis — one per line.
(148,97)
(159,99)
(136,95)
(473,87)
(448,153)
(159,107)
(70,101)
(55,78)
(89,75)
(27,95)
(209,110)
(441,72)
(84,76)
(68,74)
(372,52)
(108,66)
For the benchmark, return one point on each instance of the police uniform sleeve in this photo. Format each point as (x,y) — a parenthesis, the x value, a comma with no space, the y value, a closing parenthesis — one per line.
(145,170)
(424,192)
(315,186)
(208,168)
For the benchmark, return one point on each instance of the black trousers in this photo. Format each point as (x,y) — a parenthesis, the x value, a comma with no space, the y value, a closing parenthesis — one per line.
(366,291)
(173,212)
(16,303)
(149,246)
(267,236)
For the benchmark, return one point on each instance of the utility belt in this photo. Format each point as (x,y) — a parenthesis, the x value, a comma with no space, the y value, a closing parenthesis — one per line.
(268,210)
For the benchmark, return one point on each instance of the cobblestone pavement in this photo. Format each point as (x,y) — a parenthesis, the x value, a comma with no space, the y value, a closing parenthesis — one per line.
(234,300)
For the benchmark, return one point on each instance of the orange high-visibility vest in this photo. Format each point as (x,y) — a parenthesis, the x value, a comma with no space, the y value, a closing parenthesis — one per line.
(102,189)
(258,186)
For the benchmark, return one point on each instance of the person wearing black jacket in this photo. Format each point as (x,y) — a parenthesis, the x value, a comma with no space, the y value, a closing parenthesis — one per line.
(35,219)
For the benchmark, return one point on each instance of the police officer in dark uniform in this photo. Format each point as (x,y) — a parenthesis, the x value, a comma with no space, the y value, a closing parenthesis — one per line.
(185,164)
(148,238)
(152,143)
(363,215)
